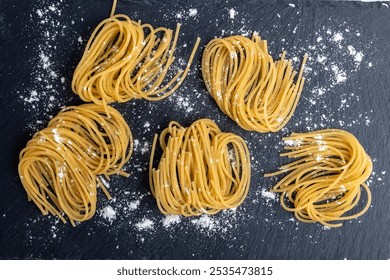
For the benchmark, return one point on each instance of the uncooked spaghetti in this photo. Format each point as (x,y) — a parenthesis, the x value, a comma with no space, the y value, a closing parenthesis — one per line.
(326,179)
(126,60)
(59,166)
(248,86)
(201,171)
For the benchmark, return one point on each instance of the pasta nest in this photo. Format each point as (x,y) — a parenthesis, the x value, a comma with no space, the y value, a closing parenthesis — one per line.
(248,86)
(59,166)
(326,179)
(201,170)
(126,60)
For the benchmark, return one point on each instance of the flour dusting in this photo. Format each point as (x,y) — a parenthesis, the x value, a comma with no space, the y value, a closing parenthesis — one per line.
(108,213)
(145,224)
(171,220)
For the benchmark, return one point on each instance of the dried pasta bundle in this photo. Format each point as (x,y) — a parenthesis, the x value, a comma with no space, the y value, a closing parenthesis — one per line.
(201,170)
(326,179)
(248,86)
(126,60)
(100,141)
(60,164)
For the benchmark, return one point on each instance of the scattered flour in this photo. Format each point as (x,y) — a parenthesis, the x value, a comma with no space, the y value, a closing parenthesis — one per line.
(108,213)
(337,37)
(133,205)
(62,172)
(321,58)
(45,93)
(171,220)
(232,13)
(336,55)
(205,222)
(142,147)
(145,224)
(340,75)
(268,195)
(192,12)
(293,142)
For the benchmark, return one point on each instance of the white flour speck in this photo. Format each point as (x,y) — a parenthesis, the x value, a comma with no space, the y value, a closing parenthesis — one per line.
(268,195)
(145,224)
(192,12)
(321,58)
(61,173)
(340,75)
(56,135)
(358,57)
(232,13)
(143,147)
(134,204)
(293,142)
(204,221)
(338,37)
(170,220)
(108,213)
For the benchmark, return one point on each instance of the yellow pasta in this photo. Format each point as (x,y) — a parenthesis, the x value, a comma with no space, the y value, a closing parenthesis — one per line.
(201,171)
(60,164)
(248,86)
(100,141)
(126,60)
(326,179)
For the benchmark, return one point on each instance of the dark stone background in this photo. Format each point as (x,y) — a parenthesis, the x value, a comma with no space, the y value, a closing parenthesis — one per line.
(260,228)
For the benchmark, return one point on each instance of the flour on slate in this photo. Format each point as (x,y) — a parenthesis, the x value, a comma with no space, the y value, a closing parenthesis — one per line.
(45,93)
(171,220)
(192,12)
(232,13)
(145,224)
(205,222)
(133,205)
(108,213)
(337,56)
(268,195)
(141,146)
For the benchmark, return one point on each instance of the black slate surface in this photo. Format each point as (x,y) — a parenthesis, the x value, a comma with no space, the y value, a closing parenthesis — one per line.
(348,82)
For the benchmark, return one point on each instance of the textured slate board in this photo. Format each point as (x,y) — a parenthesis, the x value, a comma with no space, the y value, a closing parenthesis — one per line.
(259,229)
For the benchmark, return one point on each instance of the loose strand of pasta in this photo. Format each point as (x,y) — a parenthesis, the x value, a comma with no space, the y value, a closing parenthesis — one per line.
(114,3)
